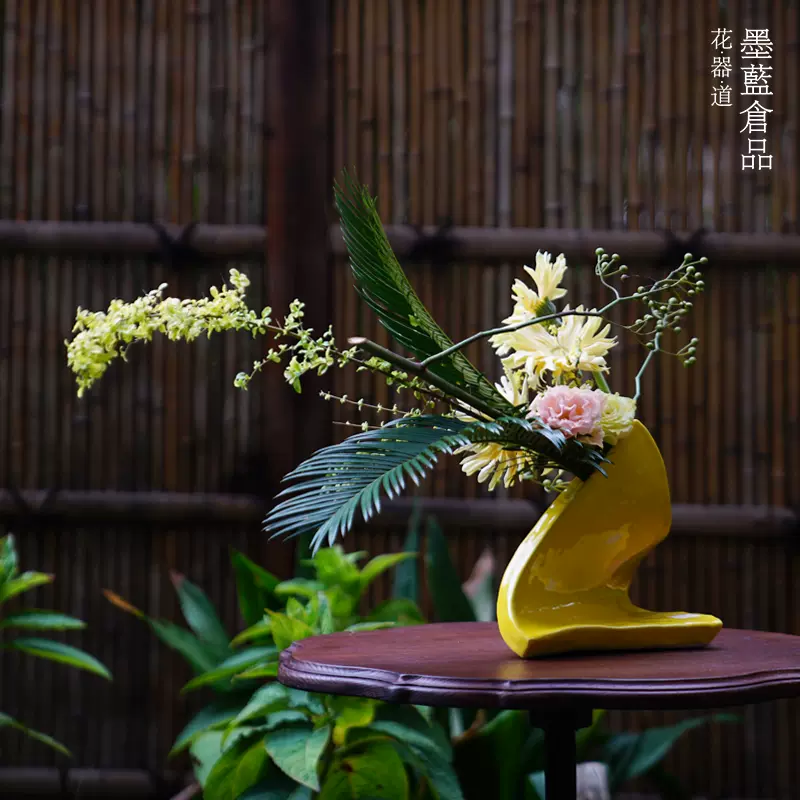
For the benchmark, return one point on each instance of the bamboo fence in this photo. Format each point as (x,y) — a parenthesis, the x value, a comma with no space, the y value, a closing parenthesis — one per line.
(531,124)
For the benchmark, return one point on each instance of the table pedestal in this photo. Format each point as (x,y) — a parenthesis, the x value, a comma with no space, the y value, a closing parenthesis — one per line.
(561,761)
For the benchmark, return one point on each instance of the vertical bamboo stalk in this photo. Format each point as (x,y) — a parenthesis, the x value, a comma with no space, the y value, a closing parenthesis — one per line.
(650,127)
(793,117)
(666,117)
(700,52)
(474,141)
(399,105)
(602,58)
(458,317)
(415,113)
(570,106)
(521,147)
(298,175)
(535,146)
(732,207)
(616,90)
(683,93)
(490,100)
(588,121)
(552,72)
(778,119)
(716,141)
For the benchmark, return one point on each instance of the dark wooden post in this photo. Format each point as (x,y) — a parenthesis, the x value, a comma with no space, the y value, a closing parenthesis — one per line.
(298,200)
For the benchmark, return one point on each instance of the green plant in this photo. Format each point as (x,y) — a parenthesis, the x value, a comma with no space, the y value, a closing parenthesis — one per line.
(34,621)
(259,739)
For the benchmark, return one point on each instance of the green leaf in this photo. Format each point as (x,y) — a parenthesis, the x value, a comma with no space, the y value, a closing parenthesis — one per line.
(449,601)
(380,564)
(369,770)
(297,751)
(237,769)
(272,697)
(230,667)
(382,284)
(255,588)
(406,576)
(278,719)
(537,783)
(335,569)
(439,772)
(199,655)
(215,715)
(370,626)
(42,621)
(9,563)
(490,762)
(201,616)
(351,712)
(349,478)
(260,671)
(22,583)
(301,587)
(37,736)
(277,786)
(60,652)
(286,630)
(630,755)
(261,630)
(205,750)
(409,724)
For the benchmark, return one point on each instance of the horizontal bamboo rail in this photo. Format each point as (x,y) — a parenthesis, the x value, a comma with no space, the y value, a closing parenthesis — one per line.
(508,515)
(488,245)
(31,783)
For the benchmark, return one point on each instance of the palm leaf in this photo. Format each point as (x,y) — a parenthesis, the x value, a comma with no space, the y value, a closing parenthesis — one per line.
(381,282)
(338,481)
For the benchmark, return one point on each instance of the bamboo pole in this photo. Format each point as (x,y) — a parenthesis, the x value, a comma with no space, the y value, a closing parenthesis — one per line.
(487,244)
(172,508)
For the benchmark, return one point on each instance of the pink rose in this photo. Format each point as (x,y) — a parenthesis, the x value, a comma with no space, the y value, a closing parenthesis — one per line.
(575,412)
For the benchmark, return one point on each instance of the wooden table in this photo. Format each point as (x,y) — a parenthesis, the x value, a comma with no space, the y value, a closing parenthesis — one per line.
(468,664)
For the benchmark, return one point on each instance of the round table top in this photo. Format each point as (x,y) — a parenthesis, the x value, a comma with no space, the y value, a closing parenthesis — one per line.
(468,664)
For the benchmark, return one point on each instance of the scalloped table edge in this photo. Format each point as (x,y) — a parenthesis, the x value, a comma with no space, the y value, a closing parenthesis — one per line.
(539,695)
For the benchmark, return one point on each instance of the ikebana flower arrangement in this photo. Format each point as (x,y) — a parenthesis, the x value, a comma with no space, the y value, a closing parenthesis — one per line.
(552,419)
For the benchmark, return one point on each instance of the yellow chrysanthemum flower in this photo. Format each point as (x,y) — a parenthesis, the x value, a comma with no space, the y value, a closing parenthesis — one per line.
(547,276)
(618,416)
(578,344)
(490,461)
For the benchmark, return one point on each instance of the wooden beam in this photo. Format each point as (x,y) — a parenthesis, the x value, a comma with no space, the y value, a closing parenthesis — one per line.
(487,245)
(452,513)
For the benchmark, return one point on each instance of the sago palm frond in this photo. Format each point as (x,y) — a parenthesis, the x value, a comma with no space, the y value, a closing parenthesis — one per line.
(338,482)
(349,477)
(381,282)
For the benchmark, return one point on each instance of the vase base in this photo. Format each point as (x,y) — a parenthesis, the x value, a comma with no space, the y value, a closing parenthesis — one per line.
(637,629)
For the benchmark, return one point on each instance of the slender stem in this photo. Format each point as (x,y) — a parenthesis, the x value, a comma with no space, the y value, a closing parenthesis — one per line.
(420,370)
(601,381)
(648,359)
(508,329)
(657,288)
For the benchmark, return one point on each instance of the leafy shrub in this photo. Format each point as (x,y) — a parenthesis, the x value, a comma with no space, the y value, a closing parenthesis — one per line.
(34,621)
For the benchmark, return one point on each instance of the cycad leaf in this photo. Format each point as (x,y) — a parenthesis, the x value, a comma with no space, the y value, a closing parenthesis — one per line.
(340,481)
(383,285)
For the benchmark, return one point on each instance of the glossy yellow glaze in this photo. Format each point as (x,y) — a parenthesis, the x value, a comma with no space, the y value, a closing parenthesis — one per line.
(566,587)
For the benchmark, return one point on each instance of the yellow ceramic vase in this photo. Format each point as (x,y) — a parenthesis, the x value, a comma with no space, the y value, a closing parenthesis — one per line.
(566,587)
